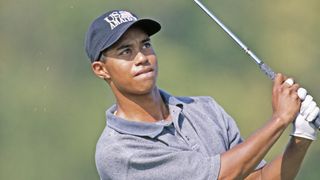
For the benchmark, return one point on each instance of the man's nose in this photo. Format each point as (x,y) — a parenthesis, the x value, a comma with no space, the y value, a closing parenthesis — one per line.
(140,59)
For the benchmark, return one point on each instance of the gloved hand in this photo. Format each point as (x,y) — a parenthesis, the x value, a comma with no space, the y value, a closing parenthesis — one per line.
(304,129)
(303,126)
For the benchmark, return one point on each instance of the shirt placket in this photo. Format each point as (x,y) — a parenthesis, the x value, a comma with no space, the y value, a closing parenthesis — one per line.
(178,117)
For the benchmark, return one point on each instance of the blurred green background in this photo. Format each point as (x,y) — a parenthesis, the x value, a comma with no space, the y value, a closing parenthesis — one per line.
(52,106)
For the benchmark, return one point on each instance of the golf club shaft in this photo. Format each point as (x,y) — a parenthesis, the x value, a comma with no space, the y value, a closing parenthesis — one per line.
(263,67)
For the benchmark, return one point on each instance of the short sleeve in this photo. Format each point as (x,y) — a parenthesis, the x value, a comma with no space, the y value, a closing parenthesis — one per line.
(224,121)
(233,132)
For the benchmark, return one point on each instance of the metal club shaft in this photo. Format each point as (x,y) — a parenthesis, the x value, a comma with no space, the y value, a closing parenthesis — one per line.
(266,69)
(263,67)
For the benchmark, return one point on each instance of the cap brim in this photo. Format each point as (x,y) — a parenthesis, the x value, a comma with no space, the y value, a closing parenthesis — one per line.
(147,25)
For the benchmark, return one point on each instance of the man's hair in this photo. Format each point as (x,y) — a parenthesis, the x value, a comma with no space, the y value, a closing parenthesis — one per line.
(103,57)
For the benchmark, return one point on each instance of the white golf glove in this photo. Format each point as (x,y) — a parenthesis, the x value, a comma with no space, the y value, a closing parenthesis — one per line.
(303,126)
(304,129)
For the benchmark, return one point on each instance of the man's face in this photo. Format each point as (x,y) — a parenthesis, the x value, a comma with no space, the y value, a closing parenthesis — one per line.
(131,63)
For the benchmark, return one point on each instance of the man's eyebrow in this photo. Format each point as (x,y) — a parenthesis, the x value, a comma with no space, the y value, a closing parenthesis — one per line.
(123,46)
(146,40)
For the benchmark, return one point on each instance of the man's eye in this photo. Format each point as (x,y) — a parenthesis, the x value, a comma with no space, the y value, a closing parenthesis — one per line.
(147,45)
(125,52)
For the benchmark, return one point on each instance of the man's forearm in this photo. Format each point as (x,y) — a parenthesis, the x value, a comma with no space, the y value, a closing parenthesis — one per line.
(287,165)
(241,160)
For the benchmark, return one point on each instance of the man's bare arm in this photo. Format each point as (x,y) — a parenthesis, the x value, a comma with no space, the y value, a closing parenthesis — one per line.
(287,165)
(240,161)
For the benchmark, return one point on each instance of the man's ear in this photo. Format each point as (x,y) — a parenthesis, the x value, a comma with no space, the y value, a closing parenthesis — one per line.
(100,70)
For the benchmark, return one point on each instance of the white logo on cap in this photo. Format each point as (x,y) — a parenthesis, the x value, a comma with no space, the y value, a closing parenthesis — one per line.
(118,17)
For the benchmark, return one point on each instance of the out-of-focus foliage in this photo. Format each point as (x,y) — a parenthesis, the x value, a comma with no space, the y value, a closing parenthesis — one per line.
(52,107)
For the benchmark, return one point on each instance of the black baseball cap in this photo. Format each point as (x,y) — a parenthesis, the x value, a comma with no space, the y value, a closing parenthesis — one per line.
(107,29)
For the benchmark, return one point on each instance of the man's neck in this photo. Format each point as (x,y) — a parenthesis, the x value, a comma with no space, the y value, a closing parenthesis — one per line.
(147,107)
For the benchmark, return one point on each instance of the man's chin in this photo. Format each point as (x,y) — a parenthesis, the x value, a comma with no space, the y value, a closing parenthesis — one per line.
(146,90)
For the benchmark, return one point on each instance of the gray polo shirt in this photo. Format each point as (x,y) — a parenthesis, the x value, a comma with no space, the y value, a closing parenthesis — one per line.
(188,147)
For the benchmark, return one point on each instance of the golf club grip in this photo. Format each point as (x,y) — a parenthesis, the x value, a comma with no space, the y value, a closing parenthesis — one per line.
(271,74)
(316,122)
(267,70)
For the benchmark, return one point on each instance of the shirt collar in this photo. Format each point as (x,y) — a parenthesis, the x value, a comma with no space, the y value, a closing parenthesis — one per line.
(169,99)
(143,128)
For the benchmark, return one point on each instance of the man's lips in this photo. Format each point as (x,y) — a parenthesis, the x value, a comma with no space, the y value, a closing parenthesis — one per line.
(143,71)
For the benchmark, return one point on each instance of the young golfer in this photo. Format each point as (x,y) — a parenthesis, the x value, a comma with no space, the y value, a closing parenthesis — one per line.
(151,134)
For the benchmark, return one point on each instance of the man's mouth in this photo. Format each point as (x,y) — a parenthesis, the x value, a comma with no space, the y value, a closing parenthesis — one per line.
(143,71)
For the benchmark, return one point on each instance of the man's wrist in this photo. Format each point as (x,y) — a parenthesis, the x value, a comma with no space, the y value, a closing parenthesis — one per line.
(300,143)
(280,122)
